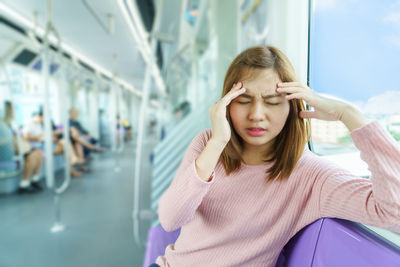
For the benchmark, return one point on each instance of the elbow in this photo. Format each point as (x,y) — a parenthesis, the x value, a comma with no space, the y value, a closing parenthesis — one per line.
(167,225)
(166,220)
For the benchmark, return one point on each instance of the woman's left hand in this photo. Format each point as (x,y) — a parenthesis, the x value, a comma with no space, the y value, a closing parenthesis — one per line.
(324,108)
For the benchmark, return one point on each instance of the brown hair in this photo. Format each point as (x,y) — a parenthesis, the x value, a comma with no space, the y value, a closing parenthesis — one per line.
(295,130)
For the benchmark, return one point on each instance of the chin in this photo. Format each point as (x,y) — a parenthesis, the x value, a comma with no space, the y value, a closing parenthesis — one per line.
(257,141)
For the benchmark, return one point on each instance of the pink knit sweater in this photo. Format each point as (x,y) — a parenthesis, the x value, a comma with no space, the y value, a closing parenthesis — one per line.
(240,220)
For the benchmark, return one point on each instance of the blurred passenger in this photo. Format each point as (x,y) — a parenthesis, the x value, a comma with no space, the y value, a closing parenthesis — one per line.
(128,129)
(33,158)
(58,140)
(33,131)
(152,129)
(119,130)
(74,158)
(184,109)
(81,136)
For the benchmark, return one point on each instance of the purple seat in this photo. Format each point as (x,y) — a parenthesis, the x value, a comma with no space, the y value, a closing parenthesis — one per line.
(157,240)
(344,243)
(9,165)
(299,251)
(324,243)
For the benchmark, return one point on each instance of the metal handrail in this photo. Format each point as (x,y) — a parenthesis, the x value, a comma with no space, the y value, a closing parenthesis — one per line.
(45,67)
(136,213)
(58,226)
(110,28)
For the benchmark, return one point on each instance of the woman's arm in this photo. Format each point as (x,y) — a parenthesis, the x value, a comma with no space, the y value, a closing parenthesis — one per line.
(195,174)
(208,159)
(340,194)
(180,201)
(353,118)
(374,201)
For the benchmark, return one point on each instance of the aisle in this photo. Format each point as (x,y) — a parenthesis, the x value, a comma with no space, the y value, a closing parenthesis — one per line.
(97,211)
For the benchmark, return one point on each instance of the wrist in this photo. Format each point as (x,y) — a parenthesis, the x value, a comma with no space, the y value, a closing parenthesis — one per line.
(352,118)
(216,144)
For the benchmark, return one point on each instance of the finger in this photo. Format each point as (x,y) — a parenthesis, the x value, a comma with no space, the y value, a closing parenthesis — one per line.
(307,114)
(236,88)
(291,90)
(232,95)
(289,84)
(237,85)
(297,96)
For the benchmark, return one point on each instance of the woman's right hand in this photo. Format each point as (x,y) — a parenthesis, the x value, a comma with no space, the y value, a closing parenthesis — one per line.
(221,131)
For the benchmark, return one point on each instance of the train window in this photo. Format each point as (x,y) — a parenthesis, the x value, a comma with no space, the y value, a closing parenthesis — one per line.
(354,54)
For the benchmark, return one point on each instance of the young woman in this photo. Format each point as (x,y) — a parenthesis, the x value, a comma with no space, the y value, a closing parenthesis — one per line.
(33,158)
(247,186)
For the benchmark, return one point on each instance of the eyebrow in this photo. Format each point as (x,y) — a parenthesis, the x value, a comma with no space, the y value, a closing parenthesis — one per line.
(265,97)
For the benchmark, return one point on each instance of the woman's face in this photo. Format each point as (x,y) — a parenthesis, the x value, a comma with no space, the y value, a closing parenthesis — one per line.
(259,114)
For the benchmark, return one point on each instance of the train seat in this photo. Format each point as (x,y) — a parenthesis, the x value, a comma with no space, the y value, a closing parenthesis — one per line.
(157,240)
(326,242)
(10,173)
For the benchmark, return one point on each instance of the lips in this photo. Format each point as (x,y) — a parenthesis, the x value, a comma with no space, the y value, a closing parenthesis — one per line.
(256,131)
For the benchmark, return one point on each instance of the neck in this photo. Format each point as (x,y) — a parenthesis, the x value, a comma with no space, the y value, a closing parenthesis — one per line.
(255,157)
(257,153)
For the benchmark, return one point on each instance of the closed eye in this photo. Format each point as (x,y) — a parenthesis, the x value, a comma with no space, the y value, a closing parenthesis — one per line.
(248,102)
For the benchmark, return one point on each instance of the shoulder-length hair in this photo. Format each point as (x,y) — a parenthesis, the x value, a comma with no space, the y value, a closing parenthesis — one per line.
(290,142)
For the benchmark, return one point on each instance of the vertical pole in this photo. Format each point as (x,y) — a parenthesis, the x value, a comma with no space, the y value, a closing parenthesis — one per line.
(64,107)
(112,117)
(46,116)
(151,63)
(139,147)
(118,141)
(121,119)
(226,30)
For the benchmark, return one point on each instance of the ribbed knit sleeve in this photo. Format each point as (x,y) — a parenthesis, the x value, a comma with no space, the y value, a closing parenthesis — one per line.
(181,200)
(374,201)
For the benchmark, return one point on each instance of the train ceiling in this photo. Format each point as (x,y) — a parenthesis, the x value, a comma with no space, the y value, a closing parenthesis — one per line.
(79,28)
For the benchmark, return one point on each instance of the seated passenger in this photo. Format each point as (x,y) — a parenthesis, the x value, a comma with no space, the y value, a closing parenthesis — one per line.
(33,131)
(128,129)
(59,142)
(119,130)
(245,187)
(81,136)
(33,158)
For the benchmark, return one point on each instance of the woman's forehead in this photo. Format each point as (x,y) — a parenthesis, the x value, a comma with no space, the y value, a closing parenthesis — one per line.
(263,83)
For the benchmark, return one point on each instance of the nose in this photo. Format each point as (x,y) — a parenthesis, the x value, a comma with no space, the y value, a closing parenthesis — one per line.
(256,112)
